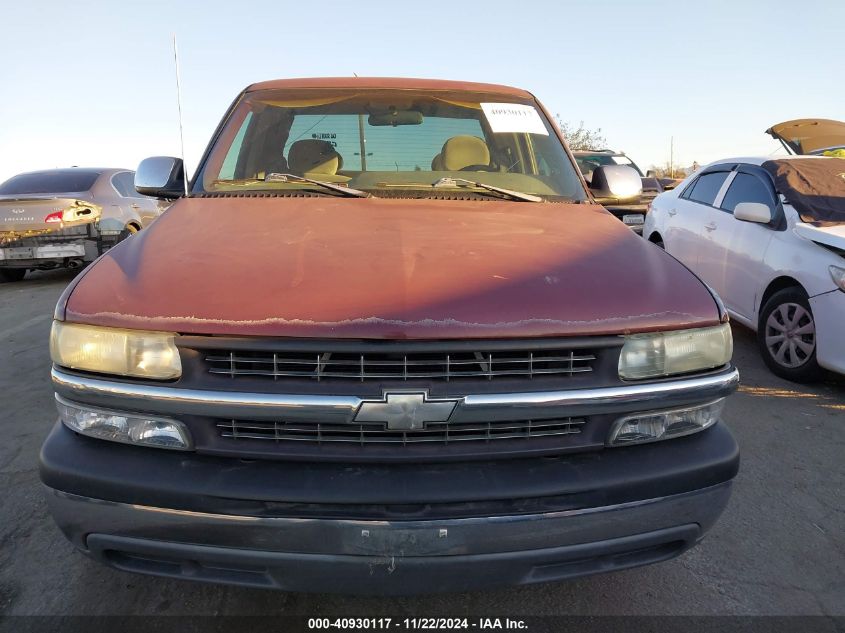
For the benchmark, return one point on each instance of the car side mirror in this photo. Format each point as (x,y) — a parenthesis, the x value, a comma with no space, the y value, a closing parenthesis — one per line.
(614,183)
(668,183)
(753,212)
(161,177)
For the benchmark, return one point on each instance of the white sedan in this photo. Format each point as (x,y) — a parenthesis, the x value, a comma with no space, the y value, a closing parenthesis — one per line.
(769,237)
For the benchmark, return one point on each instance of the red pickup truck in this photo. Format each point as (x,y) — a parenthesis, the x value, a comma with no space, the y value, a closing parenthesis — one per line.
(386,343)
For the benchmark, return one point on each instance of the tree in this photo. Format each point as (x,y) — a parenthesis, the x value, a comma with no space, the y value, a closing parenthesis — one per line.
(581,137)
(666,171)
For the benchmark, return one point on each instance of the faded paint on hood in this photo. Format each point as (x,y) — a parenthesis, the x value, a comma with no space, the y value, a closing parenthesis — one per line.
(389,269)
(805,136)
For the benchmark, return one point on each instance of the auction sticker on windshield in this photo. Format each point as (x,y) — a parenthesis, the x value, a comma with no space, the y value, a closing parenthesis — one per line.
(514,117)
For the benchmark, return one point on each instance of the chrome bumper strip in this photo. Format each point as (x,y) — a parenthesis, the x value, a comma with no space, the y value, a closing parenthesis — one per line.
(167,400)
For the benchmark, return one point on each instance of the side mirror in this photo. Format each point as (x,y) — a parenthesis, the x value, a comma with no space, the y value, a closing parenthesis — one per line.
(668,183)
(753,212)
(614,183)
(161,177)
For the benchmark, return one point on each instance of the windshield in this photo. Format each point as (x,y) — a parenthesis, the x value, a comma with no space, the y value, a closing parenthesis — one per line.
(389,143)
(49,182)
(587,163)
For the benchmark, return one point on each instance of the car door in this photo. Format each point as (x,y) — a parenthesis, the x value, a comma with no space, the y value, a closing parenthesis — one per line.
(147,208)
(688,214)
(133,204)
(738,248)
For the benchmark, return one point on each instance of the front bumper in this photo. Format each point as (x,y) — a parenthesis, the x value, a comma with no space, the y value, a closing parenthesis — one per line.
(386,528)
(829,315)
(386,557)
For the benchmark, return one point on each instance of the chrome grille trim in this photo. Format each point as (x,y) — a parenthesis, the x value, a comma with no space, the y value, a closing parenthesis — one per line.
(398,366)
(377,433)
(173,400)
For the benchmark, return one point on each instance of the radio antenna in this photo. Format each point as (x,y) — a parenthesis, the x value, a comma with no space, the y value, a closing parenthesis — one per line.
(179,104)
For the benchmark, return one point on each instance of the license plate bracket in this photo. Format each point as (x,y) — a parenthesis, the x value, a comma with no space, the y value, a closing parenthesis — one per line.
(19,252)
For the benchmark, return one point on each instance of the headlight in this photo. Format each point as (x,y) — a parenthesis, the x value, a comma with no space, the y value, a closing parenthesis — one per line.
(679,352)
(128,428)
(105,350)
(664,425)
(838,276)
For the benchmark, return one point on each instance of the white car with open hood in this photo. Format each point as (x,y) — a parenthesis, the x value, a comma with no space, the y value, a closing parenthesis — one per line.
(768,235)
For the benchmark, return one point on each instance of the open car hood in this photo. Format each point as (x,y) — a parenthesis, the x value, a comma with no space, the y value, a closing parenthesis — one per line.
(833,236)
(809,136)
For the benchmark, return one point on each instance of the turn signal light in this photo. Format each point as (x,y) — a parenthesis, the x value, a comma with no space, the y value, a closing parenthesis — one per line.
(54,217)
(124,427)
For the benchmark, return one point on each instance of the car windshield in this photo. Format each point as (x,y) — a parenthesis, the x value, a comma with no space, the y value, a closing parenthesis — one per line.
(49,182)
(589,162)
(390,143)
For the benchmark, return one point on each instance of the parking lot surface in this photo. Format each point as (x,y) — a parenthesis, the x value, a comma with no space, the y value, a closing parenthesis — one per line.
(779,549)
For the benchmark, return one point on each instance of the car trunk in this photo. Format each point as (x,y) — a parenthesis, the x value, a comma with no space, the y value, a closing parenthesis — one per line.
(809,136)
(21,216)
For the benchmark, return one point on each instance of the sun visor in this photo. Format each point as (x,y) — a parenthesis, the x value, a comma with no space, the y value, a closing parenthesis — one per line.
(312,102)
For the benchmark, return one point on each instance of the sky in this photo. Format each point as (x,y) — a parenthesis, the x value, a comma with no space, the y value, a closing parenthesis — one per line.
(92,83)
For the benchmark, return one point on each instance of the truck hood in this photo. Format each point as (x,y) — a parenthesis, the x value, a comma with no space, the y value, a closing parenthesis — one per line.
(807,136)
(388,269)
(833,235)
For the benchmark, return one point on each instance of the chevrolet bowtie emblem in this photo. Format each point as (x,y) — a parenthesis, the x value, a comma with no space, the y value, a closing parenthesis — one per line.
(405,411)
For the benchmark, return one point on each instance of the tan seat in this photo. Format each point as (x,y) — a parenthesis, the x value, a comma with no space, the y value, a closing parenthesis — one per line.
(460,152)
(315,159)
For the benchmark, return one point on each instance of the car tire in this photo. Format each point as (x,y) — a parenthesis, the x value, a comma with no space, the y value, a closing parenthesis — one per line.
(12,274)
(786,335)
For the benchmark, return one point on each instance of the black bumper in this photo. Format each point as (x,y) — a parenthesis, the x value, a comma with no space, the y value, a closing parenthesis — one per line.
(385,529)
(152,477)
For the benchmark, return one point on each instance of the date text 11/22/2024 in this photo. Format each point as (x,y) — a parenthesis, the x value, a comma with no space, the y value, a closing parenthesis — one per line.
(414,624)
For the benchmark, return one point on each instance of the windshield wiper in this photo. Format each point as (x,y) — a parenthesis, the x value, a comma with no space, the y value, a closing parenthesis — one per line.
(347,191)
(457,182)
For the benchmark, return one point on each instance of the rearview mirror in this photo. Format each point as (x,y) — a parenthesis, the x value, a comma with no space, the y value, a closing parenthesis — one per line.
(753,212)
(615,183)
(396,117)
(668,183)
(161,177)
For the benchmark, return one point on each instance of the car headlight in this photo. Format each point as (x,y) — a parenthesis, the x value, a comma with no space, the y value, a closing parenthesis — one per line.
(104,350)
(838,275)
(678,352)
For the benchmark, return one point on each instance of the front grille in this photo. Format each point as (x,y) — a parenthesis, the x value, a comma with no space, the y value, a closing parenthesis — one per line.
(371,366)
(378,433)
